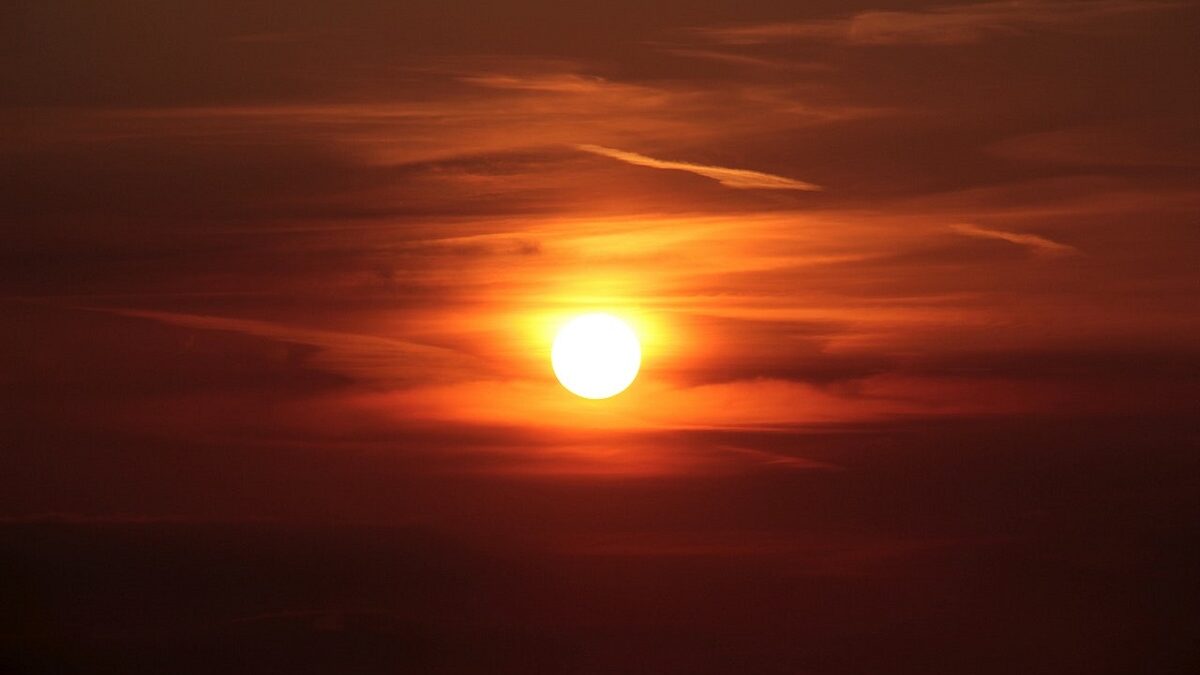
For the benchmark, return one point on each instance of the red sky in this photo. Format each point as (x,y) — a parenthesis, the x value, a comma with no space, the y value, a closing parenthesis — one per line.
(916,284)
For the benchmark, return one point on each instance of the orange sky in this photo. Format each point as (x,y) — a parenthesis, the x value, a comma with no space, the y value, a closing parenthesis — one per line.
(323,249)
(939,210)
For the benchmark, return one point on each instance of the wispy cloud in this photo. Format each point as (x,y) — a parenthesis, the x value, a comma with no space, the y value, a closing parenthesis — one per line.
(1149,142)
(942,25)
(733,59)
(1036,244)
(563,83)
(742,179)
(363,357)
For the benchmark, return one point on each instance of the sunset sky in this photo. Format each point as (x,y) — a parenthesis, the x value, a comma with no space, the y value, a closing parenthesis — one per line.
(917,286)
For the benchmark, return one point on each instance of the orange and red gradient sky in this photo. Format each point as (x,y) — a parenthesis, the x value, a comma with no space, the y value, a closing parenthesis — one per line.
(303,262)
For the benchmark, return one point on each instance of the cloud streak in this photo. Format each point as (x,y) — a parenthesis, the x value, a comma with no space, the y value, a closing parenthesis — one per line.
(740,179)
(367,358)
(942,25)
(1038,245)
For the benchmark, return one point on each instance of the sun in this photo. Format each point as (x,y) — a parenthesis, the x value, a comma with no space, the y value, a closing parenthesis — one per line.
(596,356)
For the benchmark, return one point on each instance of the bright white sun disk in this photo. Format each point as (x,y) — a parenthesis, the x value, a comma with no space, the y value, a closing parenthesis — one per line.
(596,356)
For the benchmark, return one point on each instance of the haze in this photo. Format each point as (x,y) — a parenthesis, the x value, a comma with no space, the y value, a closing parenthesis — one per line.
(916,285)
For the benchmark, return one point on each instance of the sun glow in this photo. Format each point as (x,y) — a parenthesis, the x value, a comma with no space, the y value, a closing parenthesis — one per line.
(596,356)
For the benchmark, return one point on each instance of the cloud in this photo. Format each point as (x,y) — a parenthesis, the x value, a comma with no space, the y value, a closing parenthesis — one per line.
(942,25)
(1151,142)
(1039,245)
(742,179)
(561,83)
(369,358)
(729,58)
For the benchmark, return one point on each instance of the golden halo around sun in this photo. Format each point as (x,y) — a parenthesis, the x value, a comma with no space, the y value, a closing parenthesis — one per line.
(596,356)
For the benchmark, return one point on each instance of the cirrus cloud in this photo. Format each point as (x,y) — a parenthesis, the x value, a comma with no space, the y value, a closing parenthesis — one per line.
(942,25)
(1036,244)
(741,179)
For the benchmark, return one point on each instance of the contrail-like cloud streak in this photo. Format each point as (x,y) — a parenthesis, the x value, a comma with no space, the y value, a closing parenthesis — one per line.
(741,179)
(1035,243)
